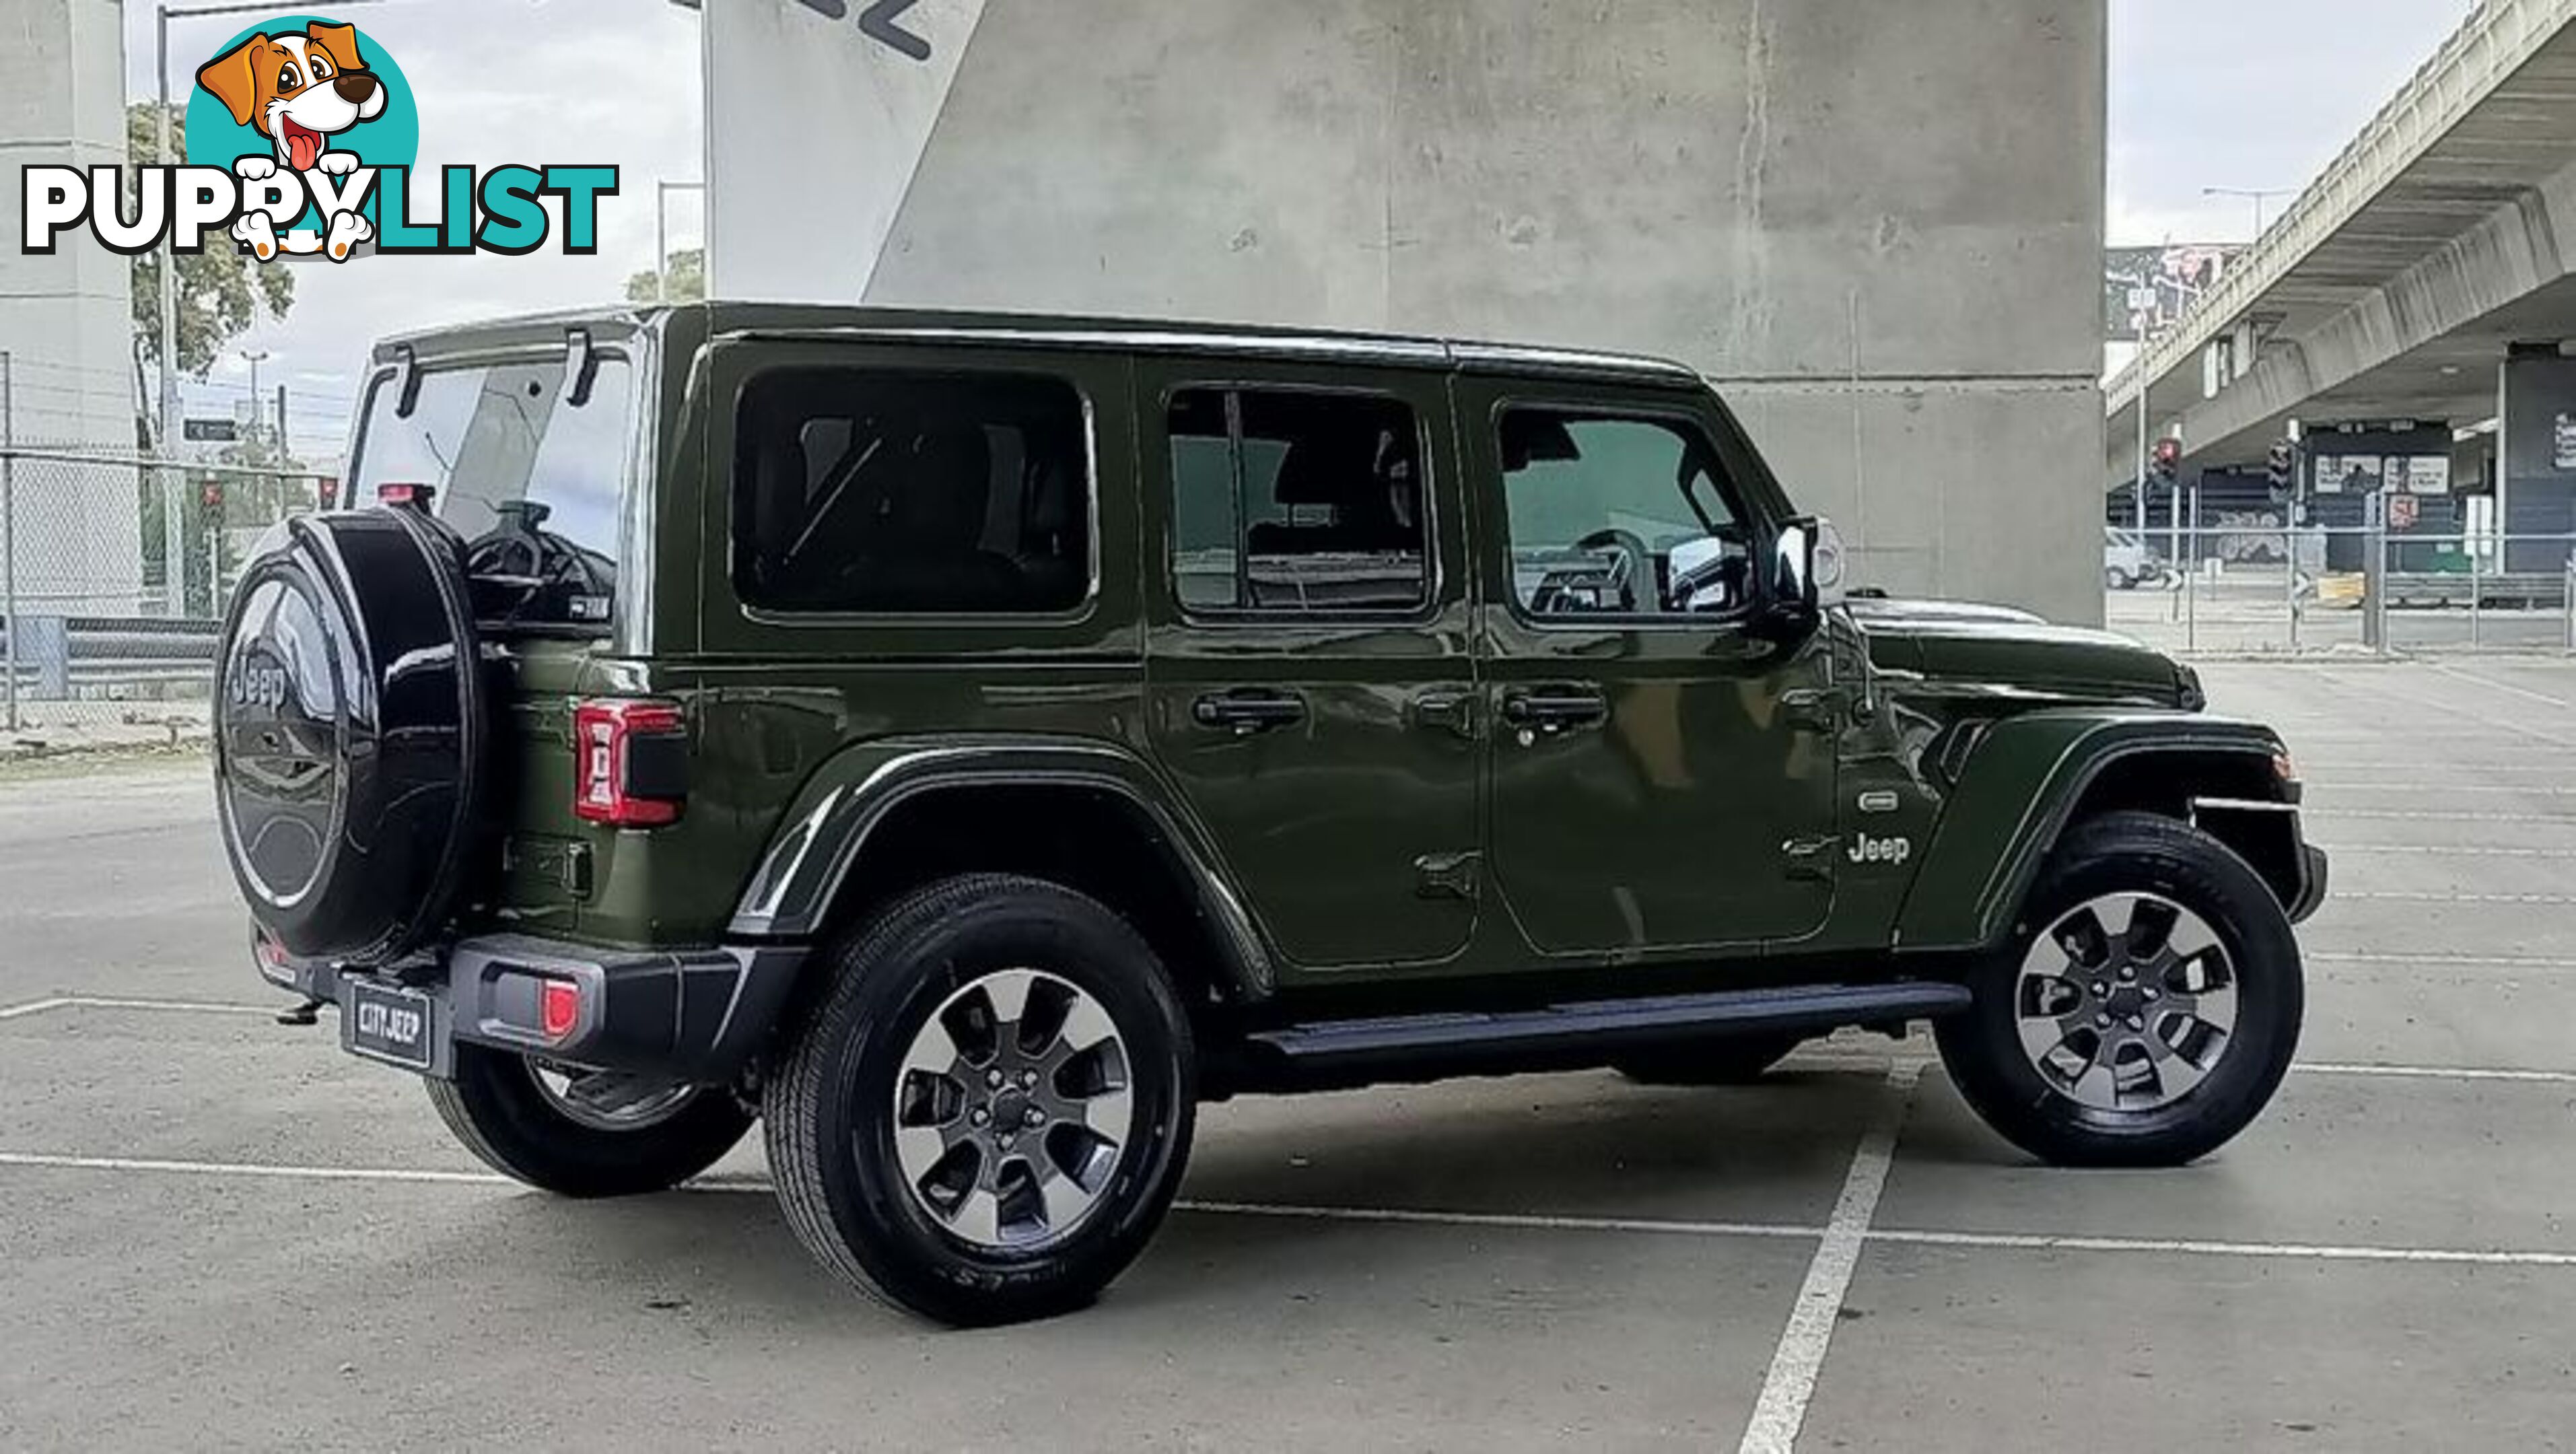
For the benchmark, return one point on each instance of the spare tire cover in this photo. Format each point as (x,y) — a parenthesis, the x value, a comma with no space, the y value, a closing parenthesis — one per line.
(351,734)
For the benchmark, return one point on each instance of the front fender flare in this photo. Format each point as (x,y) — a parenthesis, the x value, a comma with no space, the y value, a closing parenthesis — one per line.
(2019,789)
(819,843)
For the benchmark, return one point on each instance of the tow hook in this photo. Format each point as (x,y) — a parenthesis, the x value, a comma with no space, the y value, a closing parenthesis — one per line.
(305,1014)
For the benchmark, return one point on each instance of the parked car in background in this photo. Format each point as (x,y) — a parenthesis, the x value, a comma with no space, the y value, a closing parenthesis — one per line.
(2127,561)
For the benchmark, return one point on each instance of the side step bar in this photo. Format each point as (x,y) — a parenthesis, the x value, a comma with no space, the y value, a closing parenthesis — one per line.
(1415,1048)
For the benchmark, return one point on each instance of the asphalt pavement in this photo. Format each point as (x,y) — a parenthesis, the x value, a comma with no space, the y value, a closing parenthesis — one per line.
(216,1231)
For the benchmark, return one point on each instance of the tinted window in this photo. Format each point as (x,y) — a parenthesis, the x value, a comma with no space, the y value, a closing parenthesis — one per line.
(1628,516)
(533,484)
(1297,502)
(869,491)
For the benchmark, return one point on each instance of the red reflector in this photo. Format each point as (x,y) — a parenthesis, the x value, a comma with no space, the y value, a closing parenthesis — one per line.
(558,1008)
(404,492)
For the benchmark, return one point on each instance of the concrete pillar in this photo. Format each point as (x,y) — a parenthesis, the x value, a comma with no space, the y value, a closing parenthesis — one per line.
(65,317)
(2536,459)
(1882,240)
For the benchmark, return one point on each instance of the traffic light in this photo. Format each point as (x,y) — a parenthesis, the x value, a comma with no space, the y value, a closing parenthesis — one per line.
(2282,467)
(211,494)
(327,490)
(2167,460)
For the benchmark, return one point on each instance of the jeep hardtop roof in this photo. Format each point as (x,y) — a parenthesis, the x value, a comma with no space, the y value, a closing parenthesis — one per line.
(798,320)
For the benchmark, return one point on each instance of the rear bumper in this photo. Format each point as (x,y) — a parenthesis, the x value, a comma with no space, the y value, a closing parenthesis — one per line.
(695,1015)
(2312,883)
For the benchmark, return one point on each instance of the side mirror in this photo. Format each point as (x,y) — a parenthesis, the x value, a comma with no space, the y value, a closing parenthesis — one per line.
(1803,578)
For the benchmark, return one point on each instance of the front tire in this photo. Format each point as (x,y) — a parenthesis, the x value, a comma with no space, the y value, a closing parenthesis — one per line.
(597,1135)
(2146,1008)
(990,1111)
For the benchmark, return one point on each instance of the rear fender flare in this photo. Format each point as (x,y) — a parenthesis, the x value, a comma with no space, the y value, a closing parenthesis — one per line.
(823,836)
(2016,795)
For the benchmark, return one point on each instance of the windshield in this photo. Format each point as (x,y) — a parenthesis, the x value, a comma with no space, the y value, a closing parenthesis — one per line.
(533,483)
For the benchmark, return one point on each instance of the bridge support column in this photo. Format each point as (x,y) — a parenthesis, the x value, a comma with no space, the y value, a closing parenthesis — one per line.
(2536,459)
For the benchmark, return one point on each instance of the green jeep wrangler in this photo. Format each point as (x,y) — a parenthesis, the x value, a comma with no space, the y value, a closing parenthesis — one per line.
(965,743)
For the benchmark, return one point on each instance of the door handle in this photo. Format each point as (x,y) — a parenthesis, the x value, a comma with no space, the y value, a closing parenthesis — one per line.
(1244,713)
(1555,709)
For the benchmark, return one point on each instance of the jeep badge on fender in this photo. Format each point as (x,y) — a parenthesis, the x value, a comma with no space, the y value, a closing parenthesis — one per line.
(1891,851)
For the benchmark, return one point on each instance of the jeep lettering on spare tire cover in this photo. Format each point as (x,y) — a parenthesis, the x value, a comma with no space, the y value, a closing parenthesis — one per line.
(350,734)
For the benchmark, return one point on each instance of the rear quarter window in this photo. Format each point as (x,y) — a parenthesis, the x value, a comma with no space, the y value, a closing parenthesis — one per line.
(865,491)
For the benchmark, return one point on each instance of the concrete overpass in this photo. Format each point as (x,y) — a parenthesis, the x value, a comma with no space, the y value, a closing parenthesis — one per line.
(2428,274)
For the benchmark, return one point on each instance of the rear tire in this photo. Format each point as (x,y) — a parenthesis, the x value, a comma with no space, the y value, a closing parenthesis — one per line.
(496,1106)
(2096,1047)
(1718,1062)
(990,1111)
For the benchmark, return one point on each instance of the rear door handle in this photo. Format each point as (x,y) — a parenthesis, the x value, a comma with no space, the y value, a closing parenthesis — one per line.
(1555,709)
(1245,712)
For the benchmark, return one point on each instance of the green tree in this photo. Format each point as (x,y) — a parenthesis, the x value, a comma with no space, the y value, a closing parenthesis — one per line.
(688,279)
(222,290)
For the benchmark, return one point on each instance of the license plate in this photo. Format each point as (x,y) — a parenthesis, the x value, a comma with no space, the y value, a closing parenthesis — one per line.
(397,1026)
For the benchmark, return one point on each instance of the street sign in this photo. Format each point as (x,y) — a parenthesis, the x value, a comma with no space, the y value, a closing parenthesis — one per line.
(2402,512)
(210,431)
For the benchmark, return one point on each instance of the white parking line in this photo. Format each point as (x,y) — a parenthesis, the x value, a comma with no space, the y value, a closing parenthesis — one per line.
(2412,896)
(2415,850)
(2435,1072)
(1528,1222)
(1800,1357)
(2432,815)
(252,1169)
(1907,1236)
(2507,688)
(2290,1251)
(2554,765)
(2488,961)
(113,1002)
(2508,790)
(192,1007)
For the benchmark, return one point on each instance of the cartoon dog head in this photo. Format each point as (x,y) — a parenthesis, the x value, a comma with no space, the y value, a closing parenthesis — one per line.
(297,90)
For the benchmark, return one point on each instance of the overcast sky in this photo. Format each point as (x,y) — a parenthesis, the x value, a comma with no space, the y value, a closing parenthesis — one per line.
(2204,93)
(2249,94)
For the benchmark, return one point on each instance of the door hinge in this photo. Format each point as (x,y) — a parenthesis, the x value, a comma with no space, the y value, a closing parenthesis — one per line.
(1811,858)
(1446,875)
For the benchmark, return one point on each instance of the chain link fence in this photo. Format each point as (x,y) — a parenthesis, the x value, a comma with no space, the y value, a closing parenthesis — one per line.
(2291,592)
(113,574)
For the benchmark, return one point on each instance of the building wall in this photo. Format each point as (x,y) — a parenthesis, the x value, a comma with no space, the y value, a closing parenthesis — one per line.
(64,318)
(1881,236)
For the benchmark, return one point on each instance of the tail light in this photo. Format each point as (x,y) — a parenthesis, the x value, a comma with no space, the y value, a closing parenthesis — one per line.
(630,762)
